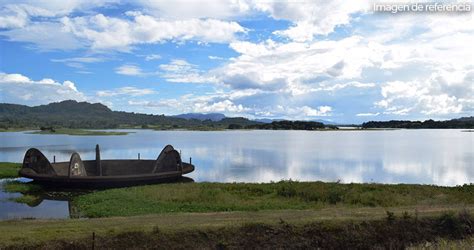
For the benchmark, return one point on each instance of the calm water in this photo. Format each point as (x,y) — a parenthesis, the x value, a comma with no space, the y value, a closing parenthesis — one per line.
(441,157)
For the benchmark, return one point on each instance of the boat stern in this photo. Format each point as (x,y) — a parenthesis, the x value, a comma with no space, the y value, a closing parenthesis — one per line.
(187,168)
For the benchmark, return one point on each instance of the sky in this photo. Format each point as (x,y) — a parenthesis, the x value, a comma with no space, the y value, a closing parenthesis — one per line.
(302,60)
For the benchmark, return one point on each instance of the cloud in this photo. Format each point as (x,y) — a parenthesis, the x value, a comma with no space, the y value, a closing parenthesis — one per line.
(152,57)
(44,36)
(311,17)
(368,114)
(426,97)
(78,62)
(299,67)
(109,33)
(311,112)
(184,9)
(12,17)
(17,88)
(216,58)
(128,91)
(179,70)
(221,106)
(129,70)
(190,103)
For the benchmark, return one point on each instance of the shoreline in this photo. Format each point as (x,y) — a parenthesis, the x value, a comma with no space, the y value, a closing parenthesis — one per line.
(216,215)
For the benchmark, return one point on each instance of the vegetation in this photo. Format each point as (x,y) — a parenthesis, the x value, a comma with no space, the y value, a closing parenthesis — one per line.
(74,115)
(465,122)
(285,125)
(83,115)
(241,215)
(21,187)
(215,197)
(441,243)
(9,170)
(361,229)
(78,132)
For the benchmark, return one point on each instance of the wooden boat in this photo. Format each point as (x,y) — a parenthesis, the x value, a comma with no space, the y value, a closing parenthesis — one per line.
(104,173)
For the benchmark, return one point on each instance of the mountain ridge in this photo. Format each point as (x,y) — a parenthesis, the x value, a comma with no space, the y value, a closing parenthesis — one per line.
(73,114)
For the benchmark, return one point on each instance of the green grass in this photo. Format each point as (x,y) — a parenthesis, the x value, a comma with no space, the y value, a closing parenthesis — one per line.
(66,131)
(216,197)
(9,170)
(21,187)
(324,228)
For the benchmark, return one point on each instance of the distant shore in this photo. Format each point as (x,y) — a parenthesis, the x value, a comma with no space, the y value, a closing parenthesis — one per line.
(100,132)
(66,131)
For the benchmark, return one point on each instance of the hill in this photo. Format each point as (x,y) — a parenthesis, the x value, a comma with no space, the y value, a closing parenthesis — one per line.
(72,114)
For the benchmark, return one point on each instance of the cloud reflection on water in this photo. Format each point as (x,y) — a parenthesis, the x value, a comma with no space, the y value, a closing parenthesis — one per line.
(442,157)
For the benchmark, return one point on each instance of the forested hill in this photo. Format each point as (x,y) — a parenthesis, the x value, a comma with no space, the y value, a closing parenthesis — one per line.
(72,114)
(464,122)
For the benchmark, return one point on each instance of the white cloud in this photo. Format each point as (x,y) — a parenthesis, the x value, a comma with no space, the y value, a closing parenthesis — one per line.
(221,106)
(222,103)
(152,57)
(178,70)
(368,114)
(44,36)
(298,67)
(311,112)
(17,88)
(110,33)
(310,17)
(430,96)
(12,17)
(184,9)
(78,62)
(216,58)
(129,70)
(79,59)
(128,91)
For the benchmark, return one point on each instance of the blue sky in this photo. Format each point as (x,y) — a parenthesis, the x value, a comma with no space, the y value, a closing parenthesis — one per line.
(332,60)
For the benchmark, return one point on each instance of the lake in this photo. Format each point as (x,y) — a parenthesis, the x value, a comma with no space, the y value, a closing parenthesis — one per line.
(440,157)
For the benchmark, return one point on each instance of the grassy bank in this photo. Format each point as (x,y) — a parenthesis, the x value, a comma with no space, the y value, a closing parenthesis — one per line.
(240,215)
(9,170)
(330,228)
(66,131)
(215,197)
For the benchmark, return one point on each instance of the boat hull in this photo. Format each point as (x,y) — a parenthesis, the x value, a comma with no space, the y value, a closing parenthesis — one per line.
(108,181)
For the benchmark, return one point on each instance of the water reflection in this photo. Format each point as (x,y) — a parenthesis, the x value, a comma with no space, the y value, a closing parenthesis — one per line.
(11,209)
(442,157)
(49,202)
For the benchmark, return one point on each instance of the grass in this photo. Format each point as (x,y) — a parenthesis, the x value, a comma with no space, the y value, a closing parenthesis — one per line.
(467,243)
(21,187)
(327,228)
(9,170)
(66,131)
(243,215)
(219,197)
